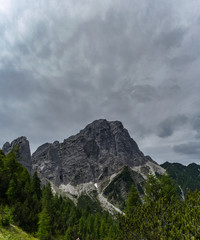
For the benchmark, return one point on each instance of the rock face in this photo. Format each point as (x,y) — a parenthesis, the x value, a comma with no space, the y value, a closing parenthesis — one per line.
(22,144)
(98,151)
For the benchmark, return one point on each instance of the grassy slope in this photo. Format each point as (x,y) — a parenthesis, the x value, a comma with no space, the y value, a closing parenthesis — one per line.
(14,233)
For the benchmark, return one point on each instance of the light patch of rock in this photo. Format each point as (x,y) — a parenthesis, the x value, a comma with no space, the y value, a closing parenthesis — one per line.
(149,167)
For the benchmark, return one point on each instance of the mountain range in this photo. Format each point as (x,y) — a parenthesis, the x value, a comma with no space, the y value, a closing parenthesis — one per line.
(102,161)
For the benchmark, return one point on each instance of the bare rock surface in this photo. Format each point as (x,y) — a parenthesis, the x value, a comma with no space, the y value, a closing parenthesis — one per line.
(21,144)
(101,149)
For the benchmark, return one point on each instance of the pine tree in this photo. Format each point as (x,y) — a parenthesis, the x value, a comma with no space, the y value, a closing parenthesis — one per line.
(168,189)
(97,226)
(152,189)
(133,200)
(44,228)
(36,186)
(12,191)
(102,230)
(69,233)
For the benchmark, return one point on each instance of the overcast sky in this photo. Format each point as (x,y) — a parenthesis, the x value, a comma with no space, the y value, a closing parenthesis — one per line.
(66,63)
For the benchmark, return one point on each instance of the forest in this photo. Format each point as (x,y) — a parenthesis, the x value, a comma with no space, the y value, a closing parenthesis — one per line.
(159,214)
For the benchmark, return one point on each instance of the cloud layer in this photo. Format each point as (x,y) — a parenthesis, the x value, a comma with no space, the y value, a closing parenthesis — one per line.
(64,64)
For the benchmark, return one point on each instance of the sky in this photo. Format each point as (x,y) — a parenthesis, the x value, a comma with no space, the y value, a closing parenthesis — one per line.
(66,63)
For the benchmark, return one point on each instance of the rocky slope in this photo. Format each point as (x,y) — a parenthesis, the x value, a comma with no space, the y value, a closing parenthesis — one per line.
(91,161)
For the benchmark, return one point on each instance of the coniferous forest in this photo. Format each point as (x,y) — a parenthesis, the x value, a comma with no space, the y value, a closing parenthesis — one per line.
(160,214)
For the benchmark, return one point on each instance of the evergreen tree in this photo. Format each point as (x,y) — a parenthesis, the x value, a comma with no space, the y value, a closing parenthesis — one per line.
(36,186)
(156,188)
(44,228)
(102,229)
(12,192)
(69,233)
(133,199)
(168,188)
(97,224)
(152,189)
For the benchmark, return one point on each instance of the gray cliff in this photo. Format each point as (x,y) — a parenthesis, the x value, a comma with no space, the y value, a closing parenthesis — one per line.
(98,151)
(21,144)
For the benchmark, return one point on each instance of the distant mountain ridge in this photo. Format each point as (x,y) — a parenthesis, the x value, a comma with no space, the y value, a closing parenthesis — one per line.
(101,159)
(186,177)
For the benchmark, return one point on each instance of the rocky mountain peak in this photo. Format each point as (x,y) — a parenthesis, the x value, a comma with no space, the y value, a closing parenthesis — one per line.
(110,136)
(99,150)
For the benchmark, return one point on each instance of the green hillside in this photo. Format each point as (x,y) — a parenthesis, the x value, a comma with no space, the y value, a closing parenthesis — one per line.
(187,177)
(14,233)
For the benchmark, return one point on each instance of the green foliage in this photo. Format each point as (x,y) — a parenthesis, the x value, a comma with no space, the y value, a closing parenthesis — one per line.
(124,180)
(36,186)
(133,200)
(14,233)
(90,205)
(156,188)
(16,191)
(5,216)
(187,177)
(163,215)
(44,228)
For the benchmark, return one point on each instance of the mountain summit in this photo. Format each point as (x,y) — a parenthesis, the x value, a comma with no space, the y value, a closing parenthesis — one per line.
(99,150)
(101,157)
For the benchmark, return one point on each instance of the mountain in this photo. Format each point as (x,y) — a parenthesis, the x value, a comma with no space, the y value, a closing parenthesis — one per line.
(186,177)
(102,161)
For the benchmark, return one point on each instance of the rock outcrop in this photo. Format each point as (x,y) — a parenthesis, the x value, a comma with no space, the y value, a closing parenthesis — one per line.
(22,145)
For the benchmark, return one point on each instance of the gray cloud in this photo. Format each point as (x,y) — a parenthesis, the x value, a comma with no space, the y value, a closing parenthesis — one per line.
(190,148)
(196,126)
(167,127)
(171,39)
(64,65)
(144,93)
(16,85)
